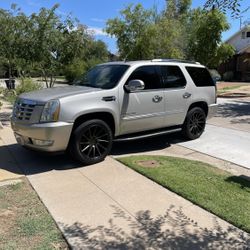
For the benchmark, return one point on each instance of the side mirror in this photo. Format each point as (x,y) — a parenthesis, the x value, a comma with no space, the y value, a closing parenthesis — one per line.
(134,85)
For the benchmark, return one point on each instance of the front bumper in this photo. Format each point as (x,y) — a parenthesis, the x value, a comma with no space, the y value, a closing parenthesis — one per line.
(212,109)
(57,133)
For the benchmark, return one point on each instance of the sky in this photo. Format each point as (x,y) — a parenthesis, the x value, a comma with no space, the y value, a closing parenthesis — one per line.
(94,13)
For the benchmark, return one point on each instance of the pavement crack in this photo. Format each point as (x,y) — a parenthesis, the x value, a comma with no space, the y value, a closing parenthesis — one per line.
(120,205)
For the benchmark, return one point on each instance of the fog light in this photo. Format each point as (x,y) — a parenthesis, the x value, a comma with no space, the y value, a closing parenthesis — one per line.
(42,143)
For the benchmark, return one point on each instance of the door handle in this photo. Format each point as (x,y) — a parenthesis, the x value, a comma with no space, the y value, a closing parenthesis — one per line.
(157,98)
(109,98)
(186,95)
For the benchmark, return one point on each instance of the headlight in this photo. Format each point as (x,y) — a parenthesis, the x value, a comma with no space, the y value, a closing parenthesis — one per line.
(50,111)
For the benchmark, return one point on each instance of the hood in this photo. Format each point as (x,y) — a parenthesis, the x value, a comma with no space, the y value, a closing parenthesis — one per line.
(45,95)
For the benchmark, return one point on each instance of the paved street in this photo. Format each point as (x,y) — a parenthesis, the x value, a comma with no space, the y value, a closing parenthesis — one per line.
(233,113)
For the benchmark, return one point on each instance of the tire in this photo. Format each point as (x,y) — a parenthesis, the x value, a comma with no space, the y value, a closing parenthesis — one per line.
(194,123)
(91,142)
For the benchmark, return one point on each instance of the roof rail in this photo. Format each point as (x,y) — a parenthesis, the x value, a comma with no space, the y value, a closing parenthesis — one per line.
(174,60)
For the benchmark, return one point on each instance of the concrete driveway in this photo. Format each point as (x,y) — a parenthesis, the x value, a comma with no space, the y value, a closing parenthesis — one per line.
(227,135)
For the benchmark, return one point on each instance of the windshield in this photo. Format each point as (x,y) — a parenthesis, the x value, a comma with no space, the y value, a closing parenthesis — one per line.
(103,76)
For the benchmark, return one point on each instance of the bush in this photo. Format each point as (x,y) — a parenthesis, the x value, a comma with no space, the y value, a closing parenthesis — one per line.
(27,85)
(1,90)
(75,70)
(228,76)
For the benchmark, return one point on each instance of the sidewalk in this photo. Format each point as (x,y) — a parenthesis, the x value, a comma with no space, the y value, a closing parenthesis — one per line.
(109,206)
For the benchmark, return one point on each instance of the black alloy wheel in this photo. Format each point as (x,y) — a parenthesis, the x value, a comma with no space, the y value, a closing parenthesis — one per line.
(91,142)
(194,124)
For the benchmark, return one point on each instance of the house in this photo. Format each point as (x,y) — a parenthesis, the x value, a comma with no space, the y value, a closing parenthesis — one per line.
(239,65)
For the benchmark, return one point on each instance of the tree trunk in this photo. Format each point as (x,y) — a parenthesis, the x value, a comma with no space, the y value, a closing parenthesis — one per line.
(9,70)
(51,81)
(45,78)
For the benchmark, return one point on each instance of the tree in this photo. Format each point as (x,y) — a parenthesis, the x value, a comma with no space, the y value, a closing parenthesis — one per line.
(45,42)
(177,9)
(167,42)
(223,52)
(13,24)
(55,42)
(177,32)
(134,32)
(95,52)
(146,34)
(204,43)
(172,29)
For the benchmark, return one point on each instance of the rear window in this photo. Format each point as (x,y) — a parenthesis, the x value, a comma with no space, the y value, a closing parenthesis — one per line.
(200,76)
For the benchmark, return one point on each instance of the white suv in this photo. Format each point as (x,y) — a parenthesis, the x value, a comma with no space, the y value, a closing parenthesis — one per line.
(116,101)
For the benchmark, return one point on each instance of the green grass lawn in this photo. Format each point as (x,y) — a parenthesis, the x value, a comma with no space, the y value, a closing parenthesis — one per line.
(211,188)
(24,221)
(226,89)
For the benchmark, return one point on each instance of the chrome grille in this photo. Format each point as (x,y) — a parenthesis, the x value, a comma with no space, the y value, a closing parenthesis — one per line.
(23,109)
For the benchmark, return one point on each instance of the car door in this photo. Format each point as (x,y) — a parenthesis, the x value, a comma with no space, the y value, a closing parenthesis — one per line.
(143,110)
(177,94)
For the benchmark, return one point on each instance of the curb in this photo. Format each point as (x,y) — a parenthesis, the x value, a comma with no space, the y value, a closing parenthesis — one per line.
(233,95)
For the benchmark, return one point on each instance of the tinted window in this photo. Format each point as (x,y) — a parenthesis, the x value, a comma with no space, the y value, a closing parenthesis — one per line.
(149,75)
(172,77)
(103,76)
(248,34)
(200,76)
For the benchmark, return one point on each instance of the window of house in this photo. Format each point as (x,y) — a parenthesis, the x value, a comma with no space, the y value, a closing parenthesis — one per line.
(172,77)
(149,75)
(200,76)
(248,34)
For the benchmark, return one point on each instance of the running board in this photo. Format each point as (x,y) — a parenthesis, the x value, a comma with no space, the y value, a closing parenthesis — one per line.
(144,136)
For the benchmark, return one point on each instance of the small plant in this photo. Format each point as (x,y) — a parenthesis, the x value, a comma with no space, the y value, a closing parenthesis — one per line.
(27,85)
(1,90)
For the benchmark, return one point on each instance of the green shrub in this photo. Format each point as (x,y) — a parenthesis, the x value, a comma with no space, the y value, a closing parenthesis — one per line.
(1,90)
(228,76)
(74,70)
(27,85)
(9,95)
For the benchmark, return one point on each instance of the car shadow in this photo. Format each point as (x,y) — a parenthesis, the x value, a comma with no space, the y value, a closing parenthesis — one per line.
(16,159)
(146,145)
